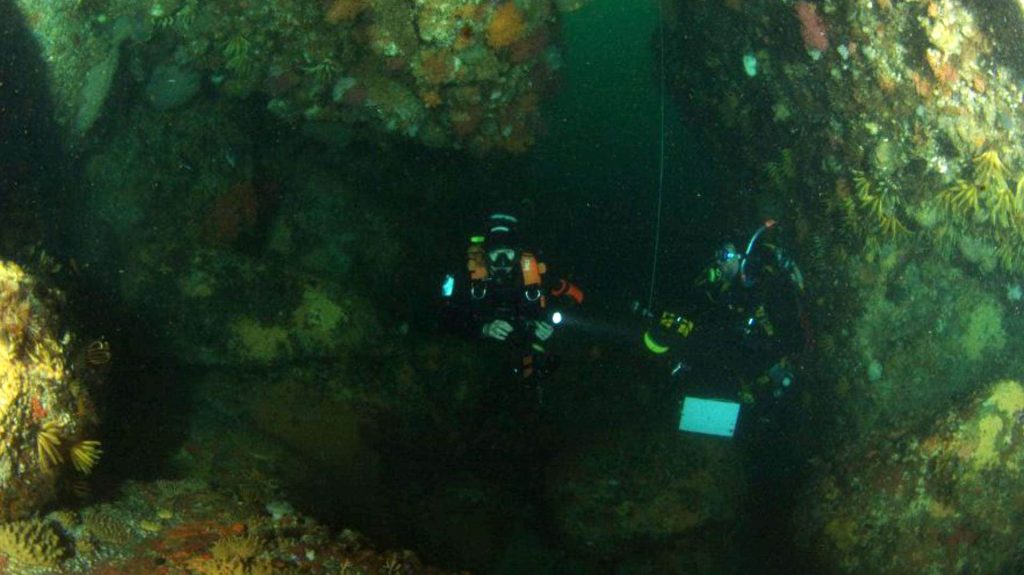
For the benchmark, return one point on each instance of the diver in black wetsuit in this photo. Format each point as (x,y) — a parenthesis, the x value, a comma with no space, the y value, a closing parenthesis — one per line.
(752,328)
(505,295)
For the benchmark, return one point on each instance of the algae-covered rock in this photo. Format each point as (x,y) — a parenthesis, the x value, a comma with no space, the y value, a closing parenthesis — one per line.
(276,316)
(249,270)
(636,490)
(171,86)
(322,321)
(921,319)
(945,500)
(29,544)
(984,330)
(45,412)
(325,429)
(456,74)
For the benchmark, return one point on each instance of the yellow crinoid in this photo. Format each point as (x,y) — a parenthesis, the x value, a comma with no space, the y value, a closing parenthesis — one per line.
(861,184)
(989,169)
(80,488)
(947,237)
(874,205)
(1009,251)
(48,444)
(866,196)
(1018,195)
(881,205)
(890,225)
(1003,207)
(243,547)
(782,173)
(963,198)
(85,454)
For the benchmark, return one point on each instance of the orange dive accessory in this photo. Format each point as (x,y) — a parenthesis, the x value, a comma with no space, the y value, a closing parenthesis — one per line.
(526,370)
(476,262)
(532,269)
(568,289)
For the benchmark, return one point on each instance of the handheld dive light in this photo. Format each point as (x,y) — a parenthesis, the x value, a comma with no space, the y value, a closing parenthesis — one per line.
(556,318)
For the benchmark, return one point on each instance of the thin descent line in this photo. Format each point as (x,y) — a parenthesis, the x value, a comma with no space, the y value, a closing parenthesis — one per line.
(661,159)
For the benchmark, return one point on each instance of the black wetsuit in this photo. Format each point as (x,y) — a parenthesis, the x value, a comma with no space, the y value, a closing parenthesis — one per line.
(475,304)
(741,328)
(755,320)
(471,304)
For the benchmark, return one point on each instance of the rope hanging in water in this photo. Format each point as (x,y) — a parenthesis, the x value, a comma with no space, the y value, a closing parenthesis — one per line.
(661,158)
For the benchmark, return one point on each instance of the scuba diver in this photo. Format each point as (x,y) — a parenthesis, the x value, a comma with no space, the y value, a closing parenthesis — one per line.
(504,295)
(752,329)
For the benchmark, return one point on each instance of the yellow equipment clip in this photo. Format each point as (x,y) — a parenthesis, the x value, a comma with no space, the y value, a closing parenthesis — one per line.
(676,323)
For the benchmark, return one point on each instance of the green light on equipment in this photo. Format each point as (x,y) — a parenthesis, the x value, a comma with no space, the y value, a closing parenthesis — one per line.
(476,240)
(653,346)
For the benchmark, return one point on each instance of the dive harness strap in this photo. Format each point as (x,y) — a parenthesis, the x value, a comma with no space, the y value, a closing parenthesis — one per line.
(532,271)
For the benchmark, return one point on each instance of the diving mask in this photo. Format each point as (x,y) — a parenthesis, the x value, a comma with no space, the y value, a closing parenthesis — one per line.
(728,260)
(501,260)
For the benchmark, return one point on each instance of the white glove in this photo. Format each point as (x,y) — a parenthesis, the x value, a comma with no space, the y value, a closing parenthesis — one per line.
(497,329)
(542,330)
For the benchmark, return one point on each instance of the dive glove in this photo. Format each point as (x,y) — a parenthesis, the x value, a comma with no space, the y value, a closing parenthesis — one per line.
(542,330)
(497,329)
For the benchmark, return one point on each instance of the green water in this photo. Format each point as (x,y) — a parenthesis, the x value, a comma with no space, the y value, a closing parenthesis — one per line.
(589,196)
(601,154)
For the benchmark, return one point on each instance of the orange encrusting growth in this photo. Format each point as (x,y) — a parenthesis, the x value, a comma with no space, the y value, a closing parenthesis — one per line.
(507,26)
(343,10)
